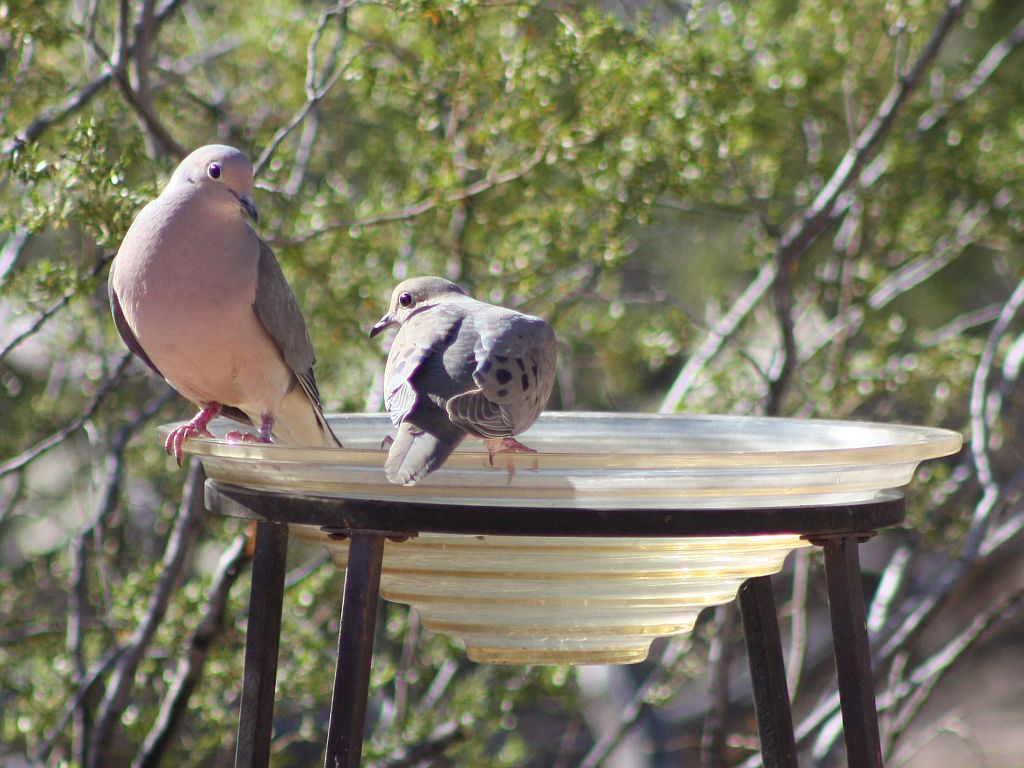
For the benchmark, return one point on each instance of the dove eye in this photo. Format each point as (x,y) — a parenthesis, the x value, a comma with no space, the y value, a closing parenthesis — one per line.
(213,170)
(405,300)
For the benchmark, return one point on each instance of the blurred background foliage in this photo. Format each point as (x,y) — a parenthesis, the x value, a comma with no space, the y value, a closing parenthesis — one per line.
(669,183)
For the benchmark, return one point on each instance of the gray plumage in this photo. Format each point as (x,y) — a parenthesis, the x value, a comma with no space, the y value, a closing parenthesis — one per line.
(459,367)
(201,299)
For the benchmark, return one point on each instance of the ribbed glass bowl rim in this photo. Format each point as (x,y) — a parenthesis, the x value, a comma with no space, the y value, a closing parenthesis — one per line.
(892,444)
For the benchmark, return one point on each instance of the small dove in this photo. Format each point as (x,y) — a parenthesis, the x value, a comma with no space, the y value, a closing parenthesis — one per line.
(459,367)
(201,299)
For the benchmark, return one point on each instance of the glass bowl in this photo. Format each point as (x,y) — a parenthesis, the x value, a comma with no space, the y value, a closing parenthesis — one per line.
(553,600)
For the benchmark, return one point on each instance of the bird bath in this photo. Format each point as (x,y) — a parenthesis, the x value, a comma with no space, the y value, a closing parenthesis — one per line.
(592,598)
(620,529)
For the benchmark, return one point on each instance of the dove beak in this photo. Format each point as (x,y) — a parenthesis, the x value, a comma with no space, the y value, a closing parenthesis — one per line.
(385,322)
(248,206)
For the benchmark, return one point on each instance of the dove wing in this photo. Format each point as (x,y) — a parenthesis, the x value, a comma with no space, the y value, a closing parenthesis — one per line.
(515,357)
(423,338)
(279,312)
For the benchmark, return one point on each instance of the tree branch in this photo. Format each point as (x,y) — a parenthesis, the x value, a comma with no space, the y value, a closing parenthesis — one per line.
(609,740)
(716,722)
(190,666)
(809,226)
(980,424)
(81,96)
(491,181)
(30,454)
(981,75)
(179,547)
(54,308)
(314,93)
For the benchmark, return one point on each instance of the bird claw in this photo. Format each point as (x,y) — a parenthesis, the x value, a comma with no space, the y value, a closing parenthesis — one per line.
(195,428)
(507,445)
(177,437)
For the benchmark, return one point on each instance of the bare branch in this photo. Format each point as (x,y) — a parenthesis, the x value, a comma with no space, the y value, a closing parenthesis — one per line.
(809,226)
(799,237)
(798,621)
(609,740)
(314,93)
(980,424)
(10,253)
(981,75)
(54,308)
(716,722)
(938,256)
(137,88)
(717,336)
(30,454)
(179,547)
(922,681)
(80,97)
(491,181)
(88,686)
(190,666)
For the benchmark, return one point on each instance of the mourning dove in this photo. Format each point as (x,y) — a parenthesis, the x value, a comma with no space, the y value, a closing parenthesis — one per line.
(459,367)
(200,298)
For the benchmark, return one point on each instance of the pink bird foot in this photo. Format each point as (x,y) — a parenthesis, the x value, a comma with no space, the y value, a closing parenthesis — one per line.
(506,445)
(194,428)
(235,437)
(266,425)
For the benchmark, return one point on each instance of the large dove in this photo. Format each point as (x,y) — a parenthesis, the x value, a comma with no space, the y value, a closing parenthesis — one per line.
(459,367)
(201,299)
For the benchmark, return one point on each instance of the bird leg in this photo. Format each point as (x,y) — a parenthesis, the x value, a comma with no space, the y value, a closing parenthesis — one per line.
(194,428)
(266,425)
(505,445)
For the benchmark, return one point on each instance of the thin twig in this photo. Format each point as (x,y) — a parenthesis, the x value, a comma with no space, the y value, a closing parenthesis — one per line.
(806,229)
(716,338)
(314,93)
(54,308)
(920,684)
(88,686)
(937,256)
(31,454)
(979,77)
(630,713)
(716,722)
(488,183)
(81,96)
(798,621)
(179,547)
(189,673)
(980,424)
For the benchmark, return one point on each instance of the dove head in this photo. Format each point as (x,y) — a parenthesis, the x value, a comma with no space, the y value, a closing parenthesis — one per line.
(415,295)
(221,176)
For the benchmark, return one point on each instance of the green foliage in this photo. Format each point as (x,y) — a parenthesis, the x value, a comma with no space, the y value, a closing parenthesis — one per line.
(623,174)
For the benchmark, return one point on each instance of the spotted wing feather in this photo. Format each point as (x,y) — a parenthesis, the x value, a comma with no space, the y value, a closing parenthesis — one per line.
(515,356)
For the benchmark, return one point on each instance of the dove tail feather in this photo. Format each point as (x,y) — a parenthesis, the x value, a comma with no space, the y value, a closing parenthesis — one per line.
(416,453)
(300,422)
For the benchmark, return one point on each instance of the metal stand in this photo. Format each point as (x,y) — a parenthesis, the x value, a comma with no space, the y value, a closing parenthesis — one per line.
(767,673)
(853,656)
(262,638)
(355,650)
(838,529)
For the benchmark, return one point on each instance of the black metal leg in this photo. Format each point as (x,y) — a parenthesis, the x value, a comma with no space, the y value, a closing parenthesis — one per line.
(853,656)
(355,650)
(262,638)
(767,673)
